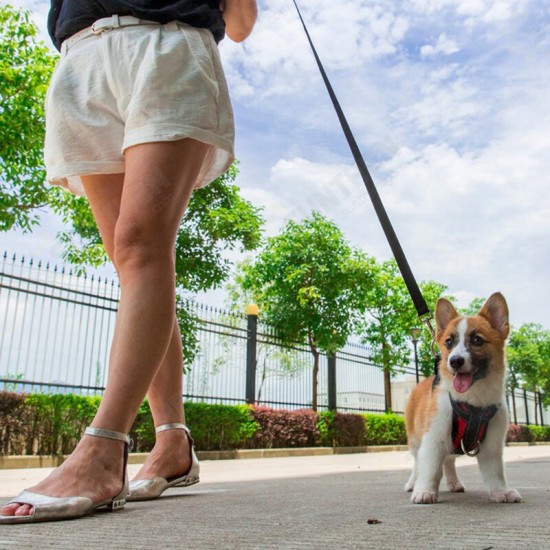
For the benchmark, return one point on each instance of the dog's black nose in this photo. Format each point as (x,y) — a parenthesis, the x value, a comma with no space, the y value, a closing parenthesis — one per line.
(456,362)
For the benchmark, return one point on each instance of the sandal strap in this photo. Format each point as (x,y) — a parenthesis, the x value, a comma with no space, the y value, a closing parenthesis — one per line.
(173,426)
(109,434)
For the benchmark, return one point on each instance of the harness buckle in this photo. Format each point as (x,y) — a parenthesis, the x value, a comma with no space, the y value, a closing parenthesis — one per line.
(473,452)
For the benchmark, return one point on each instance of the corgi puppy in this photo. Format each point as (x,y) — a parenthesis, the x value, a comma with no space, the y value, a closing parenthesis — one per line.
(463,408)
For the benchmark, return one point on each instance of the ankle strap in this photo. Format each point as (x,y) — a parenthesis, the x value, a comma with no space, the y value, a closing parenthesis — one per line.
(109,434)
(174,426)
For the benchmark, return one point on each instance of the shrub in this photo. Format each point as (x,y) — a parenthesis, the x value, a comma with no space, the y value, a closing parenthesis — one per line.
(282,428)
(53,424)
(385,429)
(213,427)
(518,432)
(56,422)
(341,430)
(13,423)
(220,427)
(540,433)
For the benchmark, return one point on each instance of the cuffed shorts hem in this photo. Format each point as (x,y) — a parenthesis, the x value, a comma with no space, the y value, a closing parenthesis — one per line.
(218,159)
(68,176)
(136,85)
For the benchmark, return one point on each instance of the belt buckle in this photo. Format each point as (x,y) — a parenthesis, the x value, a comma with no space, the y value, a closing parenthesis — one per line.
(114,24)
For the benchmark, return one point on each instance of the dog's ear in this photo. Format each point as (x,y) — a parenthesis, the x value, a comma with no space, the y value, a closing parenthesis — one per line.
(495,310)
(444,314)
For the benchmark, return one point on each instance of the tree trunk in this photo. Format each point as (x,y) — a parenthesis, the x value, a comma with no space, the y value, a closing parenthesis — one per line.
(387,377)
(387,389)
(315,379)
(315,352)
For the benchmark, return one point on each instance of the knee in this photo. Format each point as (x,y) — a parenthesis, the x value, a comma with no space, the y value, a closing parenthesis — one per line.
(136,244)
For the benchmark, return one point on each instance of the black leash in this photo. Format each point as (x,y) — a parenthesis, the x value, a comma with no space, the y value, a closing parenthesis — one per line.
(422,309)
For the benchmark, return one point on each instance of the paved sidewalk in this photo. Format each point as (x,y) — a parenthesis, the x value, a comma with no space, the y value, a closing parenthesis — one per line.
(309,502)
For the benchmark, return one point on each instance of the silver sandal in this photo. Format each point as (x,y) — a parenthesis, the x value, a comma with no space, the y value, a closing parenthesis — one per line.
(47,508)
(151,489)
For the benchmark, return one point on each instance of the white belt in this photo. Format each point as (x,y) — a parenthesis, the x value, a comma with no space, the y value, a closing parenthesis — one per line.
(105,24)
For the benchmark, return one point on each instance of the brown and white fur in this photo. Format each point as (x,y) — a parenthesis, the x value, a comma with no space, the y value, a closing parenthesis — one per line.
(472,369)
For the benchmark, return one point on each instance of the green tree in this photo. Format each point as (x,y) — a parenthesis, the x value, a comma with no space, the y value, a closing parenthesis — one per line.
(528,354)
(218,218)
(26,65)
(473,307)
(307,281)
(390,315)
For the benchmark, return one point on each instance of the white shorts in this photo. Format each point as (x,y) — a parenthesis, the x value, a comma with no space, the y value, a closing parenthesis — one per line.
(131,85)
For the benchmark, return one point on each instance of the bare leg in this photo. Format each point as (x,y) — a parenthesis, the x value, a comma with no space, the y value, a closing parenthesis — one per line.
(157,186)
(170,456)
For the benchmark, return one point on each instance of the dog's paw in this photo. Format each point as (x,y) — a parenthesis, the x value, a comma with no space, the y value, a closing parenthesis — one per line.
(456,487)
(508,495)
(409,486)
(424,497)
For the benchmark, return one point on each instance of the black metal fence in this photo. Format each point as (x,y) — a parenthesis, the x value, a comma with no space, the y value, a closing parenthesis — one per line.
(56,329)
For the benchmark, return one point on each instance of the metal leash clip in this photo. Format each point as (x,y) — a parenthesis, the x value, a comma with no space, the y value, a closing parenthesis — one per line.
(473,452)
(427,319)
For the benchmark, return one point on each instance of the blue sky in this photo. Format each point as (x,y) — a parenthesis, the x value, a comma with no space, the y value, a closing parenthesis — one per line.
(449,102)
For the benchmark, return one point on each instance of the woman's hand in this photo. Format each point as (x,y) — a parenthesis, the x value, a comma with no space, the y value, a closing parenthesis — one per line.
(240,16)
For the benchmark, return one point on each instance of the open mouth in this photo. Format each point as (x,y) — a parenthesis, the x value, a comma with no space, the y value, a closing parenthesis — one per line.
(463,381)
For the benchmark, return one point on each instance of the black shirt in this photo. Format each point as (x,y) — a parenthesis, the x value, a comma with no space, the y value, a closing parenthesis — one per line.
(67,17)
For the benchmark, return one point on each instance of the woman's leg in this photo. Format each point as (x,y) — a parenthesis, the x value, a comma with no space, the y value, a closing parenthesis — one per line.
(157,186)
(170,456)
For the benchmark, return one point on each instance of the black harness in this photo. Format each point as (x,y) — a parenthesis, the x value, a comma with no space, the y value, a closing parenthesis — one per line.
(469,424)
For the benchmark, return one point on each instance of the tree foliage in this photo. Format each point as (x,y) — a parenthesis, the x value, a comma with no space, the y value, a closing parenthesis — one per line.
(26,65)
(528,354)
(305,281)
(390,315)
(218,218)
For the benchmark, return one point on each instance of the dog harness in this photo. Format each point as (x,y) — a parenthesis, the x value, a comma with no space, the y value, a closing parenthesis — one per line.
(469,424)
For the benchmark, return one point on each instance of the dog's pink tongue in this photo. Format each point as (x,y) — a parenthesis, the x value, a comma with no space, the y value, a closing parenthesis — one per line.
(463,381)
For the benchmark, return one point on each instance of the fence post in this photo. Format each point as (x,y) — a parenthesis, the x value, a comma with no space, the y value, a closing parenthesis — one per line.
(526,407)
(541,409)
(251,344)
(332,382)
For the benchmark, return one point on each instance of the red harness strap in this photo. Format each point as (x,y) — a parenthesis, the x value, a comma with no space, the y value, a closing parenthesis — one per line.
(470,426)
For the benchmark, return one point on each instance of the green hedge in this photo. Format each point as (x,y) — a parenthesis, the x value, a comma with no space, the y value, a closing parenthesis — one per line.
(52,425)
(385,429)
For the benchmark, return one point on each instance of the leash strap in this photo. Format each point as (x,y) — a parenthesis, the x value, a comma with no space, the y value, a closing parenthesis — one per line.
(406,272)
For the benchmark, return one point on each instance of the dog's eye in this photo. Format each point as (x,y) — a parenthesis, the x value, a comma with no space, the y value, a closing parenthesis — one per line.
(477,340)
(449,343)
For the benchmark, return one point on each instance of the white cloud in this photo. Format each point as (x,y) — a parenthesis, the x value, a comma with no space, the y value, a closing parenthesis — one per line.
(444,45)
(448,100)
